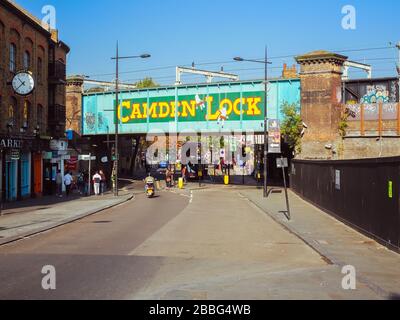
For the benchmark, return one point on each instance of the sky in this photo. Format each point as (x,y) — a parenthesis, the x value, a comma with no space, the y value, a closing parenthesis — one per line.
(212,32)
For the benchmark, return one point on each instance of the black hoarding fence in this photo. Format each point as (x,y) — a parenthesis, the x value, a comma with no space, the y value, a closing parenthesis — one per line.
(362,193)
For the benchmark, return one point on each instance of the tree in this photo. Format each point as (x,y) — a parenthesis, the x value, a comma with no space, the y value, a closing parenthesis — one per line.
(147,83)
(292,126)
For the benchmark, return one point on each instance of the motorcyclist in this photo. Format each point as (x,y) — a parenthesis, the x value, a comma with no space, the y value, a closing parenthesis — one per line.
(149,181)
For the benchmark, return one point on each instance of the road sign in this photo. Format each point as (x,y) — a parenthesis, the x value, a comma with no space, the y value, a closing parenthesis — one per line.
(274,136)
(282,162)
(86,157)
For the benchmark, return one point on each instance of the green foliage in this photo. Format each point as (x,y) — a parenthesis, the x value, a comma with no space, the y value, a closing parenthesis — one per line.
(147,83)
(292,125)
(343,124)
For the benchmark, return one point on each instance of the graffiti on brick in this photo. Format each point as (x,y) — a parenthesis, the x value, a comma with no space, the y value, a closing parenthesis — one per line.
(371,111)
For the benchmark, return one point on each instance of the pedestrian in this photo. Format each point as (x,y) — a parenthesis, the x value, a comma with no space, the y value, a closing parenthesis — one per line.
(86,183)
(103,182)
(81,183)
(68,182)
(59,182)
(96,183)
(168,178)
(184,174)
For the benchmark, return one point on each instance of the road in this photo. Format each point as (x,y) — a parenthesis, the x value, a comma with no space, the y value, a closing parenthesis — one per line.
(208,244)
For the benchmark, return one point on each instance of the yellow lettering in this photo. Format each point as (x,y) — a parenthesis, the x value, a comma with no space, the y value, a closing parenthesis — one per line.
(210,115)
(253,109)
(164,110)
(236,106)
(136,114)
(228,103)
(153,110)
(126,105)
(188,107)
(173,109)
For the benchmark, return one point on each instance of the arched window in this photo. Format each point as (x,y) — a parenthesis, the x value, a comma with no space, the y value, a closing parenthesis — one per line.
(25,114)
(40,70)
(13,57)
(40,120)
(12,112)
(27,60)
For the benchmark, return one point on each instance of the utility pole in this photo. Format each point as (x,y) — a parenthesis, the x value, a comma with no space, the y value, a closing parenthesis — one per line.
(398,70)
(117,58)
(266,63)
(266,125)
(116,123)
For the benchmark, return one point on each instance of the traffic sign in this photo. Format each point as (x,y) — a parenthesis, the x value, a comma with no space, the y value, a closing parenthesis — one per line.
(282,162)
(86,157)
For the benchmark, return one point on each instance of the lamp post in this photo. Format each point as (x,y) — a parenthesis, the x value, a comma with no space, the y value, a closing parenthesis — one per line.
(117,58)
(266,63)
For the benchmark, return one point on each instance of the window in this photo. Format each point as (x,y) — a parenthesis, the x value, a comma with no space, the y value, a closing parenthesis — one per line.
(12,108)
(13,57)
(25,122)
(40,122)
(39,70)
(27,60)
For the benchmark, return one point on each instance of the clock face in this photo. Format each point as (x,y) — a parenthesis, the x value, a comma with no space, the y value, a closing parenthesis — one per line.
(23,83)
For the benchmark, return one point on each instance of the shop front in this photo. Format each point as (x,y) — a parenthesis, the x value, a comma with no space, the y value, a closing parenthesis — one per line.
(20,167)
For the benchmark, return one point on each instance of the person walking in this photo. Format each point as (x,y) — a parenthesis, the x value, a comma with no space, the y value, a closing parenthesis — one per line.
(81,183)
(103,182)
(184,174)
(168,178)
(68,182)
(96,183)
(59,183)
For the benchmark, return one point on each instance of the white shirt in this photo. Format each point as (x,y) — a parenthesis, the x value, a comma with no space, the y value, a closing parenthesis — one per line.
(67,179)
(97,176)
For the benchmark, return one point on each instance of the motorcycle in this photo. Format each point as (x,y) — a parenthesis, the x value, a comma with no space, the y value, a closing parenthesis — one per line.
(150,190)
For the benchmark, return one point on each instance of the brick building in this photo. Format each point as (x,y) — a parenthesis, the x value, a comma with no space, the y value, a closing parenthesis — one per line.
(28,124)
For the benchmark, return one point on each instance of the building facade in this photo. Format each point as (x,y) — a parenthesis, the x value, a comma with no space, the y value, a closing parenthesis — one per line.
(28,124)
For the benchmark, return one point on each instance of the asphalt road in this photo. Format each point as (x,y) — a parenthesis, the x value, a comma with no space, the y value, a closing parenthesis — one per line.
(205,244)
(90,256)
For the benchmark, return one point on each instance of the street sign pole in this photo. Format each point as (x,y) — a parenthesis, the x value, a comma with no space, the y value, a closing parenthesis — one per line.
(284,182)
(90,174)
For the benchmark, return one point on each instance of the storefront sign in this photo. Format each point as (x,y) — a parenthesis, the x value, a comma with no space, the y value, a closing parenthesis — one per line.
(72,163)
(15,154)
(274,136)
(10,143)
(58,145)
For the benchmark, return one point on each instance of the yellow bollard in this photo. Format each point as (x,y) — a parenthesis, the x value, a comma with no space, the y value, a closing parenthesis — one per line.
(226,180)
(180,183)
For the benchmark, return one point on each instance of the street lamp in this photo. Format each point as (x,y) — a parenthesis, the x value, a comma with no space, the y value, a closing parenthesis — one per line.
(117,58)
(266,63)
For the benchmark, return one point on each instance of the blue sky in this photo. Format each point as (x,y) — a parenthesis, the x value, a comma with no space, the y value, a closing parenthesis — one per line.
(177,32)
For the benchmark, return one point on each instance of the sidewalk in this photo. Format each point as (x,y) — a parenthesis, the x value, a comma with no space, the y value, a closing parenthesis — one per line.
(25,218)
(376,266)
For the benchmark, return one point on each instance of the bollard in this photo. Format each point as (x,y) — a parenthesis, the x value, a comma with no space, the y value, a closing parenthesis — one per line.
(226,180)
(158,187)
(180,183)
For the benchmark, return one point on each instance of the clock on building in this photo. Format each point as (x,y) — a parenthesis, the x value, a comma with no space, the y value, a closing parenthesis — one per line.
(23,83)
